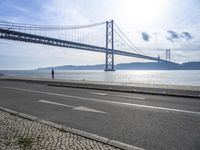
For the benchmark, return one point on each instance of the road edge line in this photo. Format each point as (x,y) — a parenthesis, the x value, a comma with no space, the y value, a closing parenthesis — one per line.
(91,136)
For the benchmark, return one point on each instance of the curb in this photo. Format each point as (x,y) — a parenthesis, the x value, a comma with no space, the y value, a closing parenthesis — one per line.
(73,131)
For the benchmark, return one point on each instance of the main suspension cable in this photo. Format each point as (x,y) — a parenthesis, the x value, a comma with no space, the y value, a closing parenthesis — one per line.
(129,39)
(11,25)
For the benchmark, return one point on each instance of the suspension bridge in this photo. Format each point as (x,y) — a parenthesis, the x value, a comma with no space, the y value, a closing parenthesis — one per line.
(78,37)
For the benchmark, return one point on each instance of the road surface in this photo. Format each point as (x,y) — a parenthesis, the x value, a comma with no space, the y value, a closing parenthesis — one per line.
(151,122)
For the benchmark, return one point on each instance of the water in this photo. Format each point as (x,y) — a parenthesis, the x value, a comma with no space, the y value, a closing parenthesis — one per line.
(172,77)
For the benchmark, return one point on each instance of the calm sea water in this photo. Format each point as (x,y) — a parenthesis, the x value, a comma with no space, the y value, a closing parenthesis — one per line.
(172,77)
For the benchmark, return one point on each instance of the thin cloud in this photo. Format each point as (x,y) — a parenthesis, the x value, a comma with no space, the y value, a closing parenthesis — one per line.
(186,35)
(172,35)
(145,36)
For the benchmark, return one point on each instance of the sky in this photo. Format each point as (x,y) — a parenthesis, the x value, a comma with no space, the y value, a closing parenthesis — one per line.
(152,25)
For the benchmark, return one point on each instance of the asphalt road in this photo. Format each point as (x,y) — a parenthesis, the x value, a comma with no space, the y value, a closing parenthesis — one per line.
(147,121)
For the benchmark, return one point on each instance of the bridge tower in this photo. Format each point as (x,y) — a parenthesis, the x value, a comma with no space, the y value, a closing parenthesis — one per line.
(109,46)
(168,54)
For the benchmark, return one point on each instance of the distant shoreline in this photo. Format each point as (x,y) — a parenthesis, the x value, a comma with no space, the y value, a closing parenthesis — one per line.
(132,66)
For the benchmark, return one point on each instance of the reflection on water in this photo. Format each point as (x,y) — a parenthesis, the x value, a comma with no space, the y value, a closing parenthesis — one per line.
(174,77)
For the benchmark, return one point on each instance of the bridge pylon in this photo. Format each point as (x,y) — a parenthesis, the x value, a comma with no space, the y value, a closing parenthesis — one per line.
(109,66)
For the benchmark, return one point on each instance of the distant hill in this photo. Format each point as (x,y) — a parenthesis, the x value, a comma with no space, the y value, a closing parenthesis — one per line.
(191,66)
(71,67)
(133,66)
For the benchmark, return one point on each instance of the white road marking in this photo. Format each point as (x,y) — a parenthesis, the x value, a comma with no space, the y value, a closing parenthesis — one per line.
(123,96)
(54,103)
(105,101)
(102,94)
(80,108)
(132,97)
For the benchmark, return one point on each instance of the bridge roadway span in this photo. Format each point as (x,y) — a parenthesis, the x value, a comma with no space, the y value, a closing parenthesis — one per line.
(151,122)
(25,37)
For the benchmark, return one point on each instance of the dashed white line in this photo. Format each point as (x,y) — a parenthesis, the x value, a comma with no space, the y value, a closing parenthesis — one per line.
(102,94)
(83,108)
(54,103)
(132,97)
(122,96)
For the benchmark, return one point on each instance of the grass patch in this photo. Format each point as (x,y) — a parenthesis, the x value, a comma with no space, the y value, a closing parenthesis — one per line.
(7,143)
(62,130)
(25,142)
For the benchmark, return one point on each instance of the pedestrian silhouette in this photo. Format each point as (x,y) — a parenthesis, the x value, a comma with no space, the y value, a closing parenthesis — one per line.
(52,73)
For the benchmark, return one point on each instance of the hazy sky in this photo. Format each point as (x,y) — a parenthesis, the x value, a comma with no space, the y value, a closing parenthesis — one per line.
(153,25)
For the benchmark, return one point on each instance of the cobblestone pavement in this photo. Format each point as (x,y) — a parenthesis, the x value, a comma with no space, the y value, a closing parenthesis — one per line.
(21,134)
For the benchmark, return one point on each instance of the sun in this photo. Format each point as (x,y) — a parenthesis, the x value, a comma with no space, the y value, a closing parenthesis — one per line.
(142,12)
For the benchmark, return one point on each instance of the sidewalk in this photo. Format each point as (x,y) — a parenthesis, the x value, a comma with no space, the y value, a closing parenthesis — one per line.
(17,133)
(168,90)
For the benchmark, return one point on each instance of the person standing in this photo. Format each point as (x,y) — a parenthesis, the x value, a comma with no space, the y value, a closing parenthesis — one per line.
(52,74)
